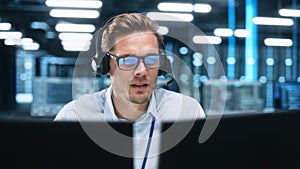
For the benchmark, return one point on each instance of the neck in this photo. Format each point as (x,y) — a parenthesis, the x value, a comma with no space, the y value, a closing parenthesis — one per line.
(128,110)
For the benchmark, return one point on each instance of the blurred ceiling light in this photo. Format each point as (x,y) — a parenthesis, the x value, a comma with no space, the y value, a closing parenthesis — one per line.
(278,42)
(289,12)
(31,46)
(75,36)
(39,25)
(11,35)
(211,60)
(223,32)
(12,42)
(177,17)
(163,30)
(24,98)
(50,34)
(25,41)
(175,7)
(273,21)
(200,39)
(241,33)
(202,8)
(74,3)
(66,27)
(76,48)
(5,26)
(70,43)
(72,13)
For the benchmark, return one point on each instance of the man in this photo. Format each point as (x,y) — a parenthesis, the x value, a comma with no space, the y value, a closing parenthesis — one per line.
(133,58)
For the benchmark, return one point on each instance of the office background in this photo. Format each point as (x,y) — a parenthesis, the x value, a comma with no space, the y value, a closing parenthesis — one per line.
(256,42)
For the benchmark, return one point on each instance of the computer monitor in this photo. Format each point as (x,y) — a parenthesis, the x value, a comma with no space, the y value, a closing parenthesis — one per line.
(287,95)
(260,141)
(50,94)
(44,144)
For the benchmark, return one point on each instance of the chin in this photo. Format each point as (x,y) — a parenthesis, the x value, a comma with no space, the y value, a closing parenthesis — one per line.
(139,99)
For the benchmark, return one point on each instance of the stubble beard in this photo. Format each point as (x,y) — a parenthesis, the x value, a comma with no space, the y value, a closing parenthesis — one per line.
(139,100)
(142,96)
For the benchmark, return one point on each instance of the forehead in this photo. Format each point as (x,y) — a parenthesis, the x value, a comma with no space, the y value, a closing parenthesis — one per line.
(136,43)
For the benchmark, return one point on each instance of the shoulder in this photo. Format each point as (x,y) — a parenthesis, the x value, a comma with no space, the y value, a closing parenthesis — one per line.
(160,92)
(87,104)
(177,103)
(167,95)
(101,94)
(66,113)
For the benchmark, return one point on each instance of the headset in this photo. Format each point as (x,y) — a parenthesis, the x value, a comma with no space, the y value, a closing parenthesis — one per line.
(100,63)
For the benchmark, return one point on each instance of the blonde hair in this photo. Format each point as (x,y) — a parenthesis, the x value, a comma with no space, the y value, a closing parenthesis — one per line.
(126,24)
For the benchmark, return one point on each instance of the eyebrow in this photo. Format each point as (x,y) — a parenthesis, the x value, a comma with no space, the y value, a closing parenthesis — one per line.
(126,55)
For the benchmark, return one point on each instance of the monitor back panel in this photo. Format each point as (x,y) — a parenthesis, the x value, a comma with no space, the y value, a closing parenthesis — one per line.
(56,145)
(266,141)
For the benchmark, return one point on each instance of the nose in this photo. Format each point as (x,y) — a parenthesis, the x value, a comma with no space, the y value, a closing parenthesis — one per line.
(140,69)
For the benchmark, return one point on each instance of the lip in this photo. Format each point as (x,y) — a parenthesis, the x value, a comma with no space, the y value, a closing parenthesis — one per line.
(139,86)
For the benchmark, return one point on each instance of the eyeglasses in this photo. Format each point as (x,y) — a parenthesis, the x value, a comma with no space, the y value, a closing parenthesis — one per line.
(131,62)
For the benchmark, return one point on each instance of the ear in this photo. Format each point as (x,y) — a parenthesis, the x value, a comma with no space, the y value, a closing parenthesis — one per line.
(112,68)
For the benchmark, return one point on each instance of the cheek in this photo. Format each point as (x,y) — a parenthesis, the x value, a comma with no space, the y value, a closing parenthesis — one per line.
(153,75)
(120,78)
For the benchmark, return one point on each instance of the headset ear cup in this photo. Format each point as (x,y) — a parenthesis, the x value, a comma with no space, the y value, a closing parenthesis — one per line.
(165,68)
(99,66)
(94,64)
(168,66)
(105,65)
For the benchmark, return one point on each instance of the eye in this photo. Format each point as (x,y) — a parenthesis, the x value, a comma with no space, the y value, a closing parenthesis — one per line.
(152,59)
(129,60)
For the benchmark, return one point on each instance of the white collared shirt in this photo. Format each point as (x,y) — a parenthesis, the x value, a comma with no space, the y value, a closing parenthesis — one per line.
(164,105)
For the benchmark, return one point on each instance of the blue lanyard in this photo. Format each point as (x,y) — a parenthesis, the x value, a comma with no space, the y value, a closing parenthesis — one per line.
(149,143)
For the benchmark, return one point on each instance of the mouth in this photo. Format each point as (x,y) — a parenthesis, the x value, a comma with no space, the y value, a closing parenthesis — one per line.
(139,86)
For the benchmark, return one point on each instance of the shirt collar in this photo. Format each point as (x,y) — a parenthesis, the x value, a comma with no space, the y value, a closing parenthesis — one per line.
(152,106)
(111,116)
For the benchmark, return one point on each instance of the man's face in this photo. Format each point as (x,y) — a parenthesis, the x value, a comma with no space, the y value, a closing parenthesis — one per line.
(134,85)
